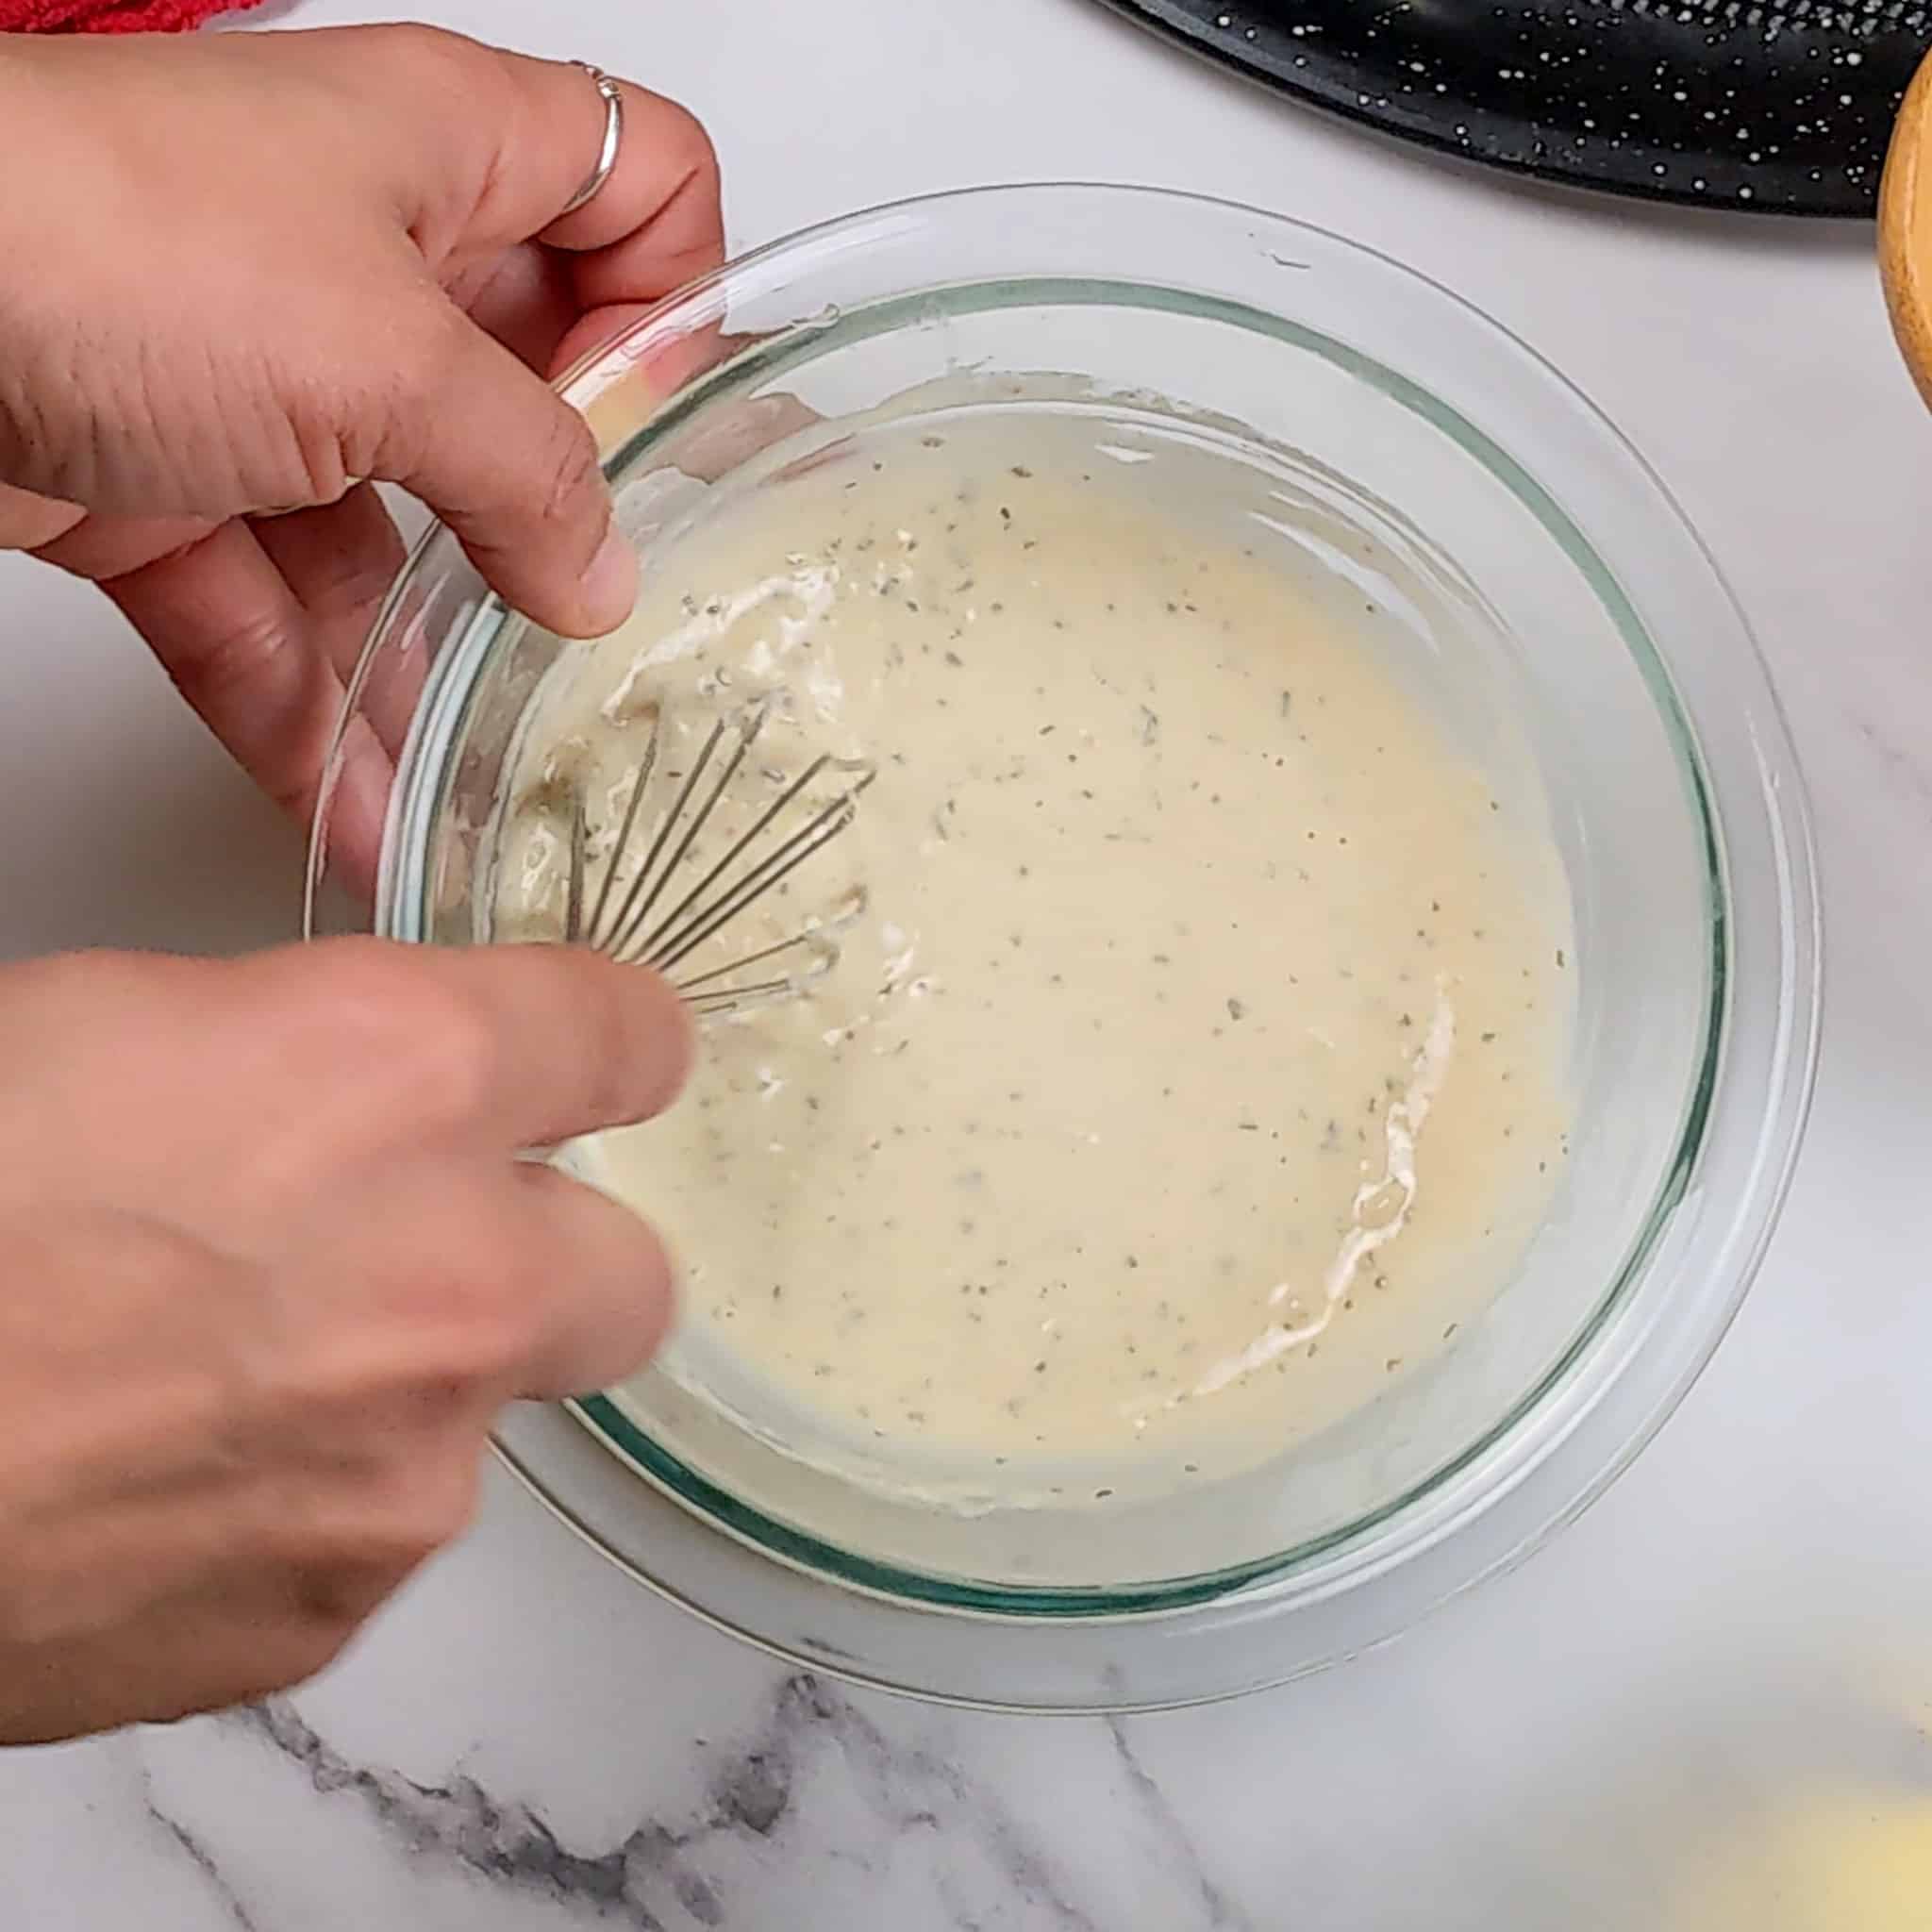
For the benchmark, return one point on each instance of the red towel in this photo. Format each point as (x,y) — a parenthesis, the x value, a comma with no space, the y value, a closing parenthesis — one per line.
(110,16)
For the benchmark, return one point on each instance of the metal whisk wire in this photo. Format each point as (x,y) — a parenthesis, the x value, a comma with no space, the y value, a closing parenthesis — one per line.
(627,923)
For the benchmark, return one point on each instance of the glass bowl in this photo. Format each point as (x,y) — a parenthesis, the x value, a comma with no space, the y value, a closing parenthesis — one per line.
(1560,612)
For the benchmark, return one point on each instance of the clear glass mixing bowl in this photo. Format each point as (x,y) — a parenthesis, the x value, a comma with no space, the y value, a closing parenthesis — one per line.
(1571,614)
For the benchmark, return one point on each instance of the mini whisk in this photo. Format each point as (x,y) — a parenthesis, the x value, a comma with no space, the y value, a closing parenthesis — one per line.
(648,916)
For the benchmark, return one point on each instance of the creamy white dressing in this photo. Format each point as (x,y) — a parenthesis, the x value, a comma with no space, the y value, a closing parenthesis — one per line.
(1191,1062)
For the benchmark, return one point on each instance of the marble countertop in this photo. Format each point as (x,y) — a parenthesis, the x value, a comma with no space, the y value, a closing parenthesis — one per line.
(1705,1704)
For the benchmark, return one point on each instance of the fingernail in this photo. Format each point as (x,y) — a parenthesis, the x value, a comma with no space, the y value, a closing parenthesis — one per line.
(611,584)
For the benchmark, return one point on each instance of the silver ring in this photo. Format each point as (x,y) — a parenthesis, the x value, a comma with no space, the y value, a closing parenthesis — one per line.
(613,139)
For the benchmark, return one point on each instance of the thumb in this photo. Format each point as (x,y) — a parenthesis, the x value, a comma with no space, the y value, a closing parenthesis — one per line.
(513,469)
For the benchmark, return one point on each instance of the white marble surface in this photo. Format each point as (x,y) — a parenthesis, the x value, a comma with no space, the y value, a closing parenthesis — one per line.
(1739,1632)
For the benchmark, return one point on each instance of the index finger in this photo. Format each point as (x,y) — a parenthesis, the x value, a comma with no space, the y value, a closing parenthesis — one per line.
(523,1046)
(579,1041)
(654,223)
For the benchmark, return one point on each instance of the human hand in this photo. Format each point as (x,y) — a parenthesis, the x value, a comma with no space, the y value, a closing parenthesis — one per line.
(270,268)
(269,1266)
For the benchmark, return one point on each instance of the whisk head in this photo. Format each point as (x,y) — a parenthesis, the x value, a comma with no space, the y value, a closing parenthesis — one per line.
(675,899)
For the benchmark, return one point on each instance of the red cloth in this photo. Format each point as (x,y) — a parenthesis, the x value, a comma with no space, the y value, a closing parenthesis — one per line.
(110,16)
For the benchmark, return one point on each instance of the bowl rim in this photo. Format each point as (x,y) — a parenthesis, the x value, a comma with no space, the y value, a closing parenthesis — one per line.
(1503,1459)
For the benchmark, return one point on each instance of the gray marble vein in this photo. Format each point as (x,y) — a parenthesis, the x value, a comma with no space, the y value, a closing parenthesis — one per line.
(1219,1912)
(506,1843)
(198,1854)
(1903,764)
(664,1872)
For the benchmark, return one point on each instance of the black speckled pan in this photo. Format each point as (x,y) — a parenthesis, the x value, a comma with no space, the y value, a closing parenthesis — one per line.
(1781,108)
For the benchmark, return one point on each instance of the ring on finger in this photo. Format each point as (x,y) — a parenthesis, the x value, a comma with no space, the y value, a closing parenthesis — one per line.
(613,139)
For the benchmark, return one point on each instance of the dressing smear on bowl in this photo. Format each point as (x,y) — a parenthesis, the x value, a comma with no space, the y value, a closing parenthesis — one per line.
(1191,1065)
